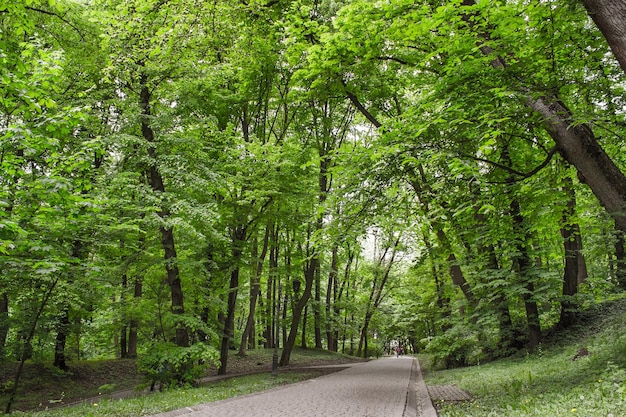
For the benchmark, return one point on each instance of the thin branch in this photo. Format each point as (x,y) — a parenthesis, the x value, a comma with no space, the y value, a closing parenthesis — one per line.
(393,58)
(354,99)
(522,175)
(62,18)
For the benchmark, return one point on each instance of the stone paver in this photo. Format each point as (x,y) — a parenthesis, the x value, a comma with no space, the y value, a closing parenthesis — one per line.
(387,387)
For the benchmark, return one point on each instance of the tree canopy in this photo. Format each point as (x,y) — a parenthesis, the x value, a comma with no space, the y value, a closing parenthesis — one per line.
(181,179)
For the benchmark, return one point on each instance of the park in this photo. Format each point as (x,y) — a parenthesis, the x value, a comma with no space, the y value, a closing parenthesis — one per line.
(211,201)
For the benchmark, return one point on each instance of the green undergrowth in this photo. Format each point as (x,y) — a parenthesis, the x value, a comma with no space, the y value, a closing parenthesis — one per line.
(550,382)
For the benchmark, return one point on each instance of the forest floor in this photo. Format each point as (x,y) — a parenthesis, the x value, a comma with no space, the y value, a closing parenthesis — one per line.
(44,387)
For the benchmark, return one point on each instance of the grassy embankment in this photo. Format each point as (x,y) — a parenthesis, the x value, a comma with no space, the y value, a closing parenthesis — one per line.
(549,382)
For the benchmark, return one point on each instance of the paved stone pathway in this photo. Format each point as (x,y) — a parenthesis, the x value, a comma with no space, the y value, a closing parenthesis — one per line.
(389,387)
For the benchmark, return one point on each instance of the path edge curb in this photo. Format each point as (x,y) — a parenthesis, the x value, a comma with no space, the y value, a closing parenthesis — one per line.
(423,404)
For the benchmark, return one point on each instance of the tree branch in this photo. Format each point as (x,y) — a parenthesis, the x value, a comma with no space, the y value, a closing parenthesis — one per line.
(522,175)
(62,18)
(355,100)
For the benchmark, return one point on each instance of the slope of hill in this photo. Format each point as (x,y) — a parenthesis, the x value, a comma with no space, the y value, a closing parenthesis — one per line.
(577,371)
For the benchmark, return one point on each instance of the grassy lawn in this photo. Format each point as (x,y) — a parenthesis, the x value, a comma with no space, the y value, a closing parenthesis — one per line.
(549,382)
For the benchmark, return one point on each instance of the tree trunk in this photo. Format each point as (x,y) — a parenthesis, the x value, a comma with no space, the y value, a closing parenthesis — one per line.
(238,236)
(609,16)
(270,307)
(362,348)
(303,342)
(331,300)
(620,258)
(27,346)
(345,287)
(255,290)
(63,327)
(229,322)
(572,250)
(167,232)
(133,324)
(309,278)
(317,309)
(4,322)
(269,302)
(123,346)
(61,339)
(456,273)
(524,263)
(443,302)
(376,295)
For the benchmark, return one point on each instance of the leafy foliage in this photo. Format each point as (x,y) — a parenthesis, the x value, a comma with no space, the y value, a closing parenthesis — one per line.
(171,168)
(168,364)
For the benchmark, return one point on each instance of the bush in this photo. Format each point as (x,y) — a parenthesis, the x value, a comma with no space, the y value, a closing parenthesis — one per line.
(167,364)
(458,346)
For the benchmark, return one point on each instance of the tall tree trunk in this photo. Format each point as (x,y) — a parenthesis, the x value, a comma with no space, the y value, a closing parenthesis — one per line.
(572,250)
(377,294)
(522,260)
(4,322)
(317,309)
(269,302)
(524,264)
(270,294)
(27,346)
(456,273)
(443,302)
(422,190)
(361,351)
(123,346)
(620,259)
(62,331)
(344,288)
(167,232)
(238,236)
(255,290)
(63,326)
(609,16)
(331,300)
(309,278)
(303,340)
(133,324)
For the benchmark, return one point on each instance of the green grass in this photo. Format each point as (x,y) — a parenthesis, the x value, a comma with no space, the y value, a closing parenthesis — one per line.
(548,382)
(177,398)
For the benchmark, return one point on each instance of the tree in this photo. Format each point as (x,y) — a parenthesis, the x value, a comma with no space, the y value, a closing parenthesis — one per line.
(608,16)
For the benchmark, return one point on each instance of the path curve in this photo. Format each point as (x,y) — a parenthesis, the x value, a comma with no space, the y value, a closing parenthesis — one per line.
(389,387)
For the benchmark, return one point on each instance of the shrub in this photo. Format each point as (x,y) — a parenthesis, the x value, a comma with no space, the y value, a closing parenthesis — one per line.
(167,364)
(458,346)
